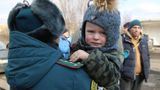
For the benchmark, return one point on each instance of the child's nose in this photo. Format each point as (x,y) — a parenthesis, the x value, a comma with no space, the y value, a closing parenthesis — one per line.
(96,35)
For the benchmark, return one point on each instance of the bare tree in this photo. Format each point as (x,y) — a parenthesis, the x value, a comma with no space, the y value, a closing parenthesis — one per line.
(126,17)
(73,11)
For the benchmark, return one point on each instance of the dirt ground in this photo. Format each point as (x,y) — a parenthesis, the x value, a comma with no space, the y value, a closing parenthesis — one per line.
(154,78)
(153,82)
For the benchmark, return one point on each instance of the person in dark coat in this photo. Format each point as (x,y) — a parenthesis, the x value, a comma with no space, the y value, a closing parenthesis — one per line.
(34,59)
(136,66)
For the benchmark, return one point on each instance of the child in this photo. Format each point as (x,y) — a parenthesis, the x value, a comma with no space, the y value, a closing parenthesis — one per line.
(98,47)
(65,43)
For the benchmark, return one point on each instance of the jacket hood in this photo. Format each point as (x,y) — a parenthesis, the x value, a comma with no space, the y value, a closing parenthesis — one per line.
(108,20)
(29,60)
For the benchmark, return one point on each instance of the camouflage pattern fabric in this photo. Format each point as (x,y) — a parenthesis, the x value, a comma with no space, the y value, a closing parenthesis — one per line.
(103,68)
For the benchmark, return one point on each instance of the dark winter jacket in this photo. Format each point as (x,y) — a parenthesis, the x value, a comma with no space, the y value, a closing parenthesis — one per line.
(128,68)
(32,66)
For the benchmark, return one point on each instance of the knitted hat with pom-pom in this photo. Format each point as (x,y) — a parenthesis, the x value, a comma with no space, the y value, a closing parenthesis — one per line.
(108,20)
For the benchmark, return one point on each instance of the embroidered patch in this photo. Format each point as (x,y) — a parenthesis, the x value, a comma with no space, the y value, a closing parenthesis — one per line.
(69,64)
(94,86)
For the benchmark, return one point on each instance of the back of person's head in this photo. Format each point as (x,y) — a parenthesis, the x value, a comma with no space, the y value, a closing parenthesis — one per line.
(126,25)
(105,15)
(41,20)
(66,30)
(125,28)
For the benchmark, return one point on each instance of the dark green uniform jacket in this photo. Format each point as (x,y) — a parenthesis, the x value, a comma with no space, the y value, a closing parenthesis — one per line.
(32,66)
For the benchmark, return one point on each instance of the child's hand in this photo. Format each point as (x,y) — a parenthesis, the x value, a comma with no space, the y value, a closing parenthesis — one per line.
(79,54)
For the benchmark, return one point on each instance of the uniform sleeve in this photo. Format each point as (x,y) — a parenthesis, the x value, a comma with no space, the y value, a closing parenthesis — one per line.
(103,68)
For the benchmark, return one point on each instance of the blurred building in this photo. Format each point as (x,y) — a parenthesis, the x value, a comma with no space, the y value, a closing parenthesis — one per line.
(152,28)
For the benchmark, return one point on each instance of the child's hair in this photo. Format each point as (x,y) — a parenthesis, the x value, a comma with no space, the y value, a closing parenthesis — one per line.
(66,30)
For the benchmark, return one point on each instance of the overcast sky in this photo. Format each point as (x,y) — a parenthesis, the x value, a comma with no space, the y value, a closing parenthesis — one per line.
(140,9)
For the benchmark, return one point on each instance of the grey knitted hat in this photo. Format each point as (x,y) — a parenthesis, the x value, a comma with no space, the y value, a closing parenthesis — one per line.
(41,14)
(108,20)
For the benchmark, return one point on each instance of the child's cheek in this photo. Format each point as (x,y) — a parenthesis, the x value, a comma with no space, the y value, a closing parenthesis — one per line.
(88,39)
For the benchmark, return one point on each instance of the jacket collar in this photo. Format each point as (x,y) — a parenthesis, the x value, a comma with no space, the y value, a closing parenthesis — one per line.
(128,37)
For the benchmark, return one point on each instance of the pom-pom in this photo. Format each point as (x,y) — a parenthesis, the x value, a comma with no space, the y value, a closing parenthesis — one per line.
(105,4)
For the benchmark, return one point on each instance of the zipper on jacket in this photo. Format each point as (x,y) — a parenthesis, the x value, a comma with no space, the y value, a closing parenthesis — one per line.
(134,63)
